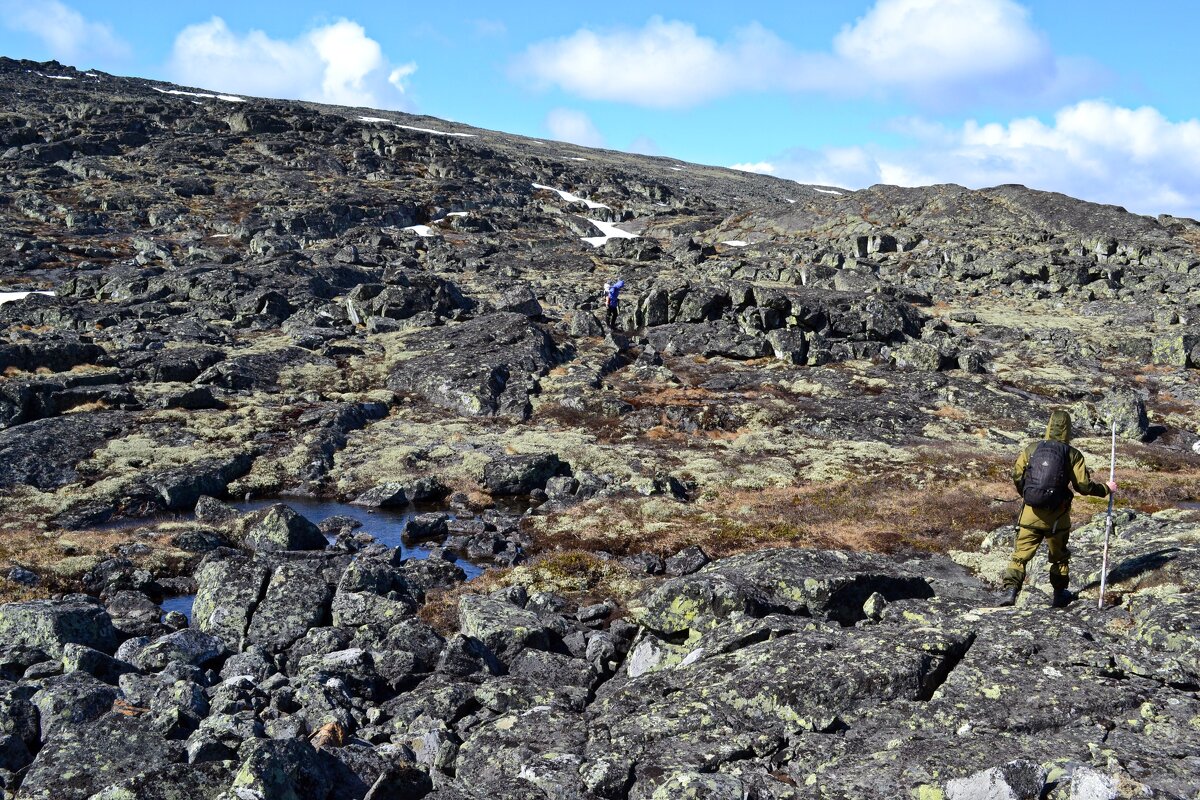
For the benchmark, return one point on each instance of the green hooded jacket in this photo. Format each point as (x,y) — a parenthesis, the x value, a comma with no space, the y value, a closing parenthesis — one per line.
(1056,519)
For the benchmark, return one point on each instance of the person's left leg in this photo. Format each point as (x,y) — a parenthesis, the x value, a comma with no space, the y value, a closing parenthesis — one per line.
(1059,557)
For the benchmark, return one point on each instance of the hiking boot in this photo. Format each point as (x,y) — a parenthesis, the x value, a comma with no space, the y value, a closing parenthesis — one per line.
(1010,597)
(1061,598)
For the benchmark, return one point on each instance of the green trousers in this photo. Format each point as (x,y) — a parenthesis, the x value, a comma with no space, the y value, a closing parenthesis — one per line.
(1028,541)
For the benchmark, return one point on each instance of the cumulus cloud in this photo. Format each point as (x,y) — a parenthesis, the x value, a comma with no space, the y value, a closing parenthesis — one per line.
(569,125)
(65,33)
(336,63)
(1094,149)
(666,64)
(938,52)
(935,46)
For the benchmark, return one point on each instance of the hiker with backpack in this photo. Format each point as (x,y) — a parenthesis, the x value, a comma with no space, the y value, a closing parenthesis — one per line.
(1044,474)
(612,296)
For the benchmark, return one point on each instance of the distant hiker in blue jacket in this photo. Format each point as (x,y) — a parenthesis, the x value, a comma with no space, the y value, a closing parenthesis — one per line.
(612,296)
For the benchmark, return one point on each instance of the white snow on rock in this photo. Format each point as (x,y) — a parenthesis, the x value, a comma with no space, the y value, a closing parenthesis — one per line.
(570,198)
(677,169)
(569,158)
(56,77)
(438,133)
(228,98)
(609,231)
(788,200)
(91,75)
(373,119)
(826,191)
(420,230)
(735,243)
(6,297)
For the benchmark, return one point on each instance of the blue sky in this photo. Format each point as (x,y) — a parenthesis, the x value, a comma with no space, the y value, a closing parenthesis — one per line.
(1095,99)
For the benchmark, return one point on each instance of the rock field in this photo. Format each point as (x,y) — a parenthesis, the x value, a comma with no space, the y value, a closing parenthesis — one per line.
(746,546)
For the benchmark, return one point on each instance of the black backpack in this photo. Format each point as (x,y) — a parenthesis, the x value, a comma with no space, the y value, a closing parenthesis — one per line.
(1046,476)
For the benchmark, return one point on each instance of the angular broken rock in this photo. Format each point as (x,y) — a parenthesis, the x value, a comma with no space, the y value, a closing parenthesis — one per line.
(281,528)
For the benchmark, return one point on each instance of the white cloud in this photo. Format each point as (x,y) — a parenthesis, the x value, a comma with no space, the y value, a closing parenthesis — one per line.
(568,125)
(932,45)
(1094,150)
(666,64)
(939,52)
(336,63)
(66,34)
(761,167)
(644,145)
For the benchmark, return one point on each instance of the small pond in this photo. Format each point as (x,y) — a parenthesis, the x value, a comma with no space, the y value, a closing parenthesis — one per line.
(386,525)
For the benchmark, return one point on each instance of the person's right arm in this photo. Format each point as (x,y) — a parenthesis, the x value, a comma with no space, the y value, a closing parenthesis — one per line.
(1081,478)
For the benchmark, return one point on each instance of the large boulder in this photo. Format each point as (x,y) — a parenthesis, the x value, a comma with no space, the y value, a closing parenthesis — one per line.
(708,339)
(297,597)
(82,760)
(484,367)
(521,474)
(229,588)
(281,528)
(188,646)
(504,628)
(50,624)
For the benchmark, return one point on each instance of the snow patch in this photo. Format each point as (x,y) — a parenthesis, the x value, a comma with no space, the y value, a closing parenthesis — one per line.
(228,98)
(788,200)
(8,297)
(735,243)
(609,231)
(437,133)
(420,230)
(56,77)
(570,198)
(826,191)
(373,119)
(575,158)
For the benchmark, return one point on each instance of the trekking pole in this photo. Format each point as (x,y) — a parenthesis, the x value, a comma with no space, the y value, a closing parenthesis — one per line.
(1108,523)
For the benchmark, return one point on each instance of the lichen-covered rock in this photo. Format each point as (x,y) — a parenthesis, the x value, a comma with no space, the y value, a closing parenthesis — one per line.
(285,769)
(487,366)
(188,646)
(229,589)
(50,624)
(72,699)
(80,760)
(281,528)
(516,475)
(297,597)
(504,628)
(385,495)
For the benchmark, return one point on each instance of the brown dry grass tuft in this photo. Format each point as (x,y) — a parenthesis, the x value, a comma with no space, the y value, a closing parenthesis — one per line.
(883,514)
(61,559)
(580,576)
(440,611)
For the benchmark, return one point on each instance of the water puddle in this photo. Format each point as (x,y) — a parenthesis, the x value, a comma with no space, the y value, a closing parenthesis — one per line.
(183,604)
(385,525)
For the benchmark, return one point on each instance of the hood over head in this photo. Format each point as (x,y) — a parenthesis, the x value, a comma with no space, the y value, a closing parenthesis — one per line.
(1059,427)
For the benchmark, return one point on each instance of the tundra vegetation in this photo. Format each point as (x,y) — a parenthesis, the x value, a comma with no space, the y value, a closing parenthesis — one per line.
(745,545)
